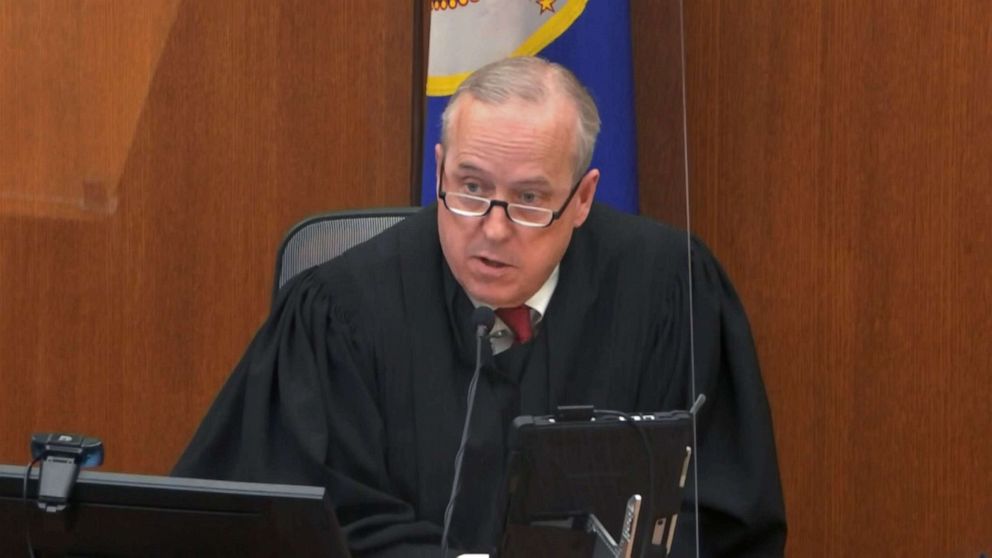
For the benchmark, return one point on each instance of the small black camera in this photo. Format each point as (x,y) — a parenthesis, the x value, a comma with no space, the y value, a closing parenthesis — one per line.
(84,450)
(61,456)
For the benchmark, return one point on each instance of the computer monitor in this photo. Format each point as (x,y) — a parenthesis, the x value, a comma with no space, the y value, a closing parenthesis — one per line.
(121,515)
(565,469)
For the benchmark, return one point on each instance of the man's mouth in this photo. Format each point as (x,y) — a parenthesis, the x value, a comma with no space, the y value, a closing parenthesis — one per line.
(492,263)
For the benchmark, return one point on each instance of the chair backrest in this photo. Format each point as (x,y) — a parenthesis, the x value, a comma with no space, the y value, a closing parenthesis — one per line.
(323,237)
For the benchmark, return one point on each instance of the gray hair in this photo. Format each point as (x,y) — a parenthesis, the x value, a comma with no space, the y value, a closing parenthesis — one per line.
(528,78)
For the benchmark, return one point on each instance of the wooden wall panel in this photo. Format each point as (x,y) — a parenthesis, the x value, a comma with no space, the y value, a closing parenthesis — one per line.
(656,36)
(125,324)
(841,164)
(73,79)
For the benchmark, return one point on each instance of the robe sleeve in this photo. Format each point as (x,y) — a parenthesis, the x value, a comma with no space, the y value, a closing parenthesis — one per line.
(301,408)
(741,511)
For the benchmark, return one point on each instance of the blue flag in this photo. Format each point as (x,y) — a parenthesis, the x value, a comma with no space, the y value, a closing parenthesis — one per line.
(589,37)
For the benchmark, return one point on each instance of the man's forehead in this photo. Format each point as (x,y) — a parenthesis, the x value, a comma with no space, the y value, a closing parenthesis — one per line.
(512,125)
(551,107)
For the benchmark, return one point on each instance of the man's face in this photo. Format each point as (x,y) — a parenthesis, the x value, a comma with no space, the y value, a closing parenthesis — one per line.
(522,153)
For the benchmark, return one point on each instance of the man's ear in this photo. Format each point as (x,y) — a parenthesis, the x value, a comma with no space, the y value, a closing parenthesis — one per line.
(438,157)
(584,196)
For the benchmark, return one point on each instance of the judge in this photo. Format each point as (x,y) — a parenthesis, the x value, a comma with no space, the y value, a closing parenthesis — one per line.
(358,379)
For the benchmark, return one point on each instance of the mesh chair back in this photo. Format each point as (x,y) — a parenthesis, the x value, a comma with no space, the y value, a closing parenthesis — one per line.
(320,238)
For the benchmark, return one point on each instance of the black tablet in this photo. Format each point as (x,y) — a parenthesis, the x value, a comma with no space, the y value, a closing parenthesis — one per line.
(569,466)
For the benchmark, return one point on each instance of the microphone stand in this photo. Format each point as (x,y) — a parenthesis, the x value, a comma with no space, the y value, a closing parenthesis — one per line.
(483,318)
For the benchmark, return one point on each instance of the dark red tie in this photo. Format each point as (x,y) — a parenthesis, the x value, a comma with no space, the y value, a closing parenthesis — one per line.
(518,320)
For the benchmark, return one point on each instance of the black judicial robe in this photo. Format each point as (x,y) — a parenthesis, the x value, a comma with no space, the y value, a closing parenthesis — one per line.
(358,379)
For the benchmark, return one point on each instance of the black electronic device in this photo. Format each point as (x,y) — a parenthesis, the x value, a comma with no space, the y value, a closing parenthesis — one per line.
(122,515)
(62,455)
(86,451)
(575,473)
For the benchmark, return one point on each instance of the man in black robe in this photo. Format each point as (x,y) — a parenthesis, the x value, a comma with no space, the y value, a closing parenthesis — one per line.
(358,379)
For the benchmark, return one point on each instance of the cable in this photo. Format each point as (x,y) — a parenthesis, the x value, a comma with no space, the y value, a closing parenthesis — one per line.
(688,242)
(27,508)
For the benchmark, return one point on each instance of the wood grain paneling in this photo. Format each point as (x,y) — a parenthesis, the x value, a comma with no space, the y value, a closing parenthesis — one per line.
(656,36)
(73,79)
(841,166)
(257,113)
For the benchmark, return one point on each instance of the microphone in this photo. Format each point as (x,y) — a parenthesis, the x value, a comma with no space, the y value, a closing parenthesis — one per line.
(483,318)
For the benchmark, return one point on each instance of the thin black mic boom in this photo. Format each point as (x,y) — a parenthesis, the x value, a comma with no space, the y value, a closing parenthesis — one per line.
(483,318)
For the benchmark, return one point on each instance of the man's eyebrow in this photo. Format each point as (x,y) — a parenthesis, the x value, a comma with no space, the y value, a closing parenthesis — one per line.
(469,167)
(538,181)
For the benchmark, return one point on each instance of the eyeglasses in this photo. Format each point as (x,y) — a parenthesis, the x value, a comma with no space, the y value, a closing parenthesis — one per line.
(467,205)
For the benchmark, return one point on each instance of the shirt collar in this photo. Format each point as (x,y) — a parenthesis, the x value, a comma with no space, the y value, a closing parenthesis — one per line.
(538,302)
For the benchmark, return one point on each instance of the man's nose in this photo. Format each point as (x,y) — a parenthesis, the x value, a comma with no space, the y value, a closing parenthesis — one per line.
(496,226)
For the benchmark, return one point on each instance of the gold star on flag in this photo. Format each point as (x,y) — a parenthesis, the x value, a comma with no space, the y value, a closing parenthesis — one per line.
(546,5)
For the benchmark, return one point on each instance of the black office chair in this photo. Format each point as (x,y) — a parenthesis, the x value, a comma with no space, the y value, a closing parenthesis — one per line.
(323,237)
